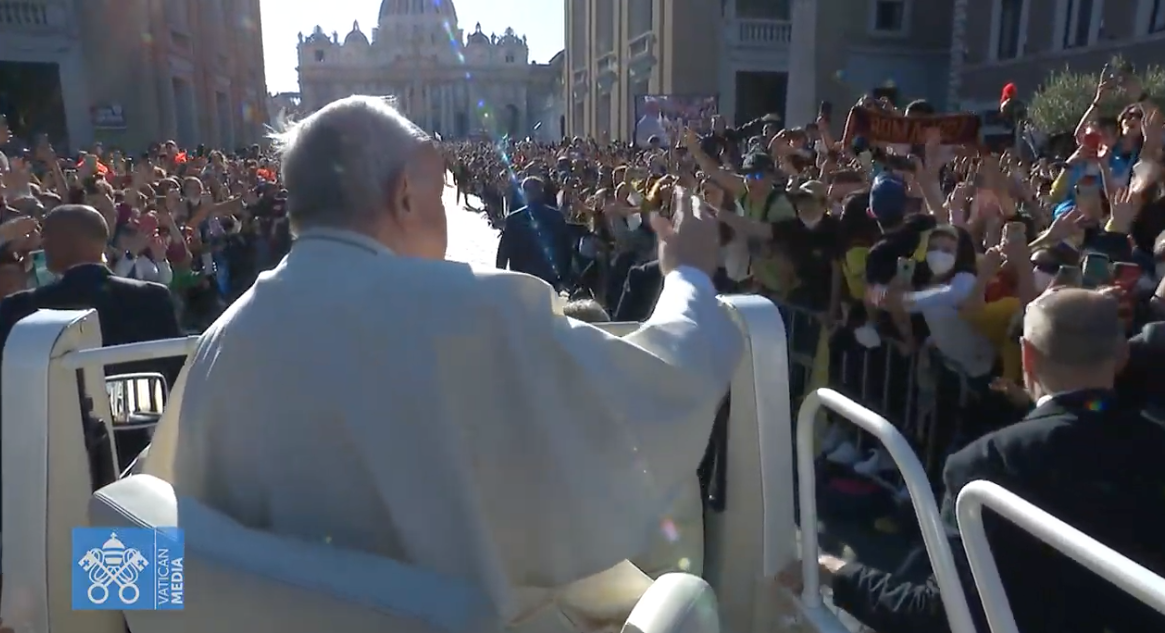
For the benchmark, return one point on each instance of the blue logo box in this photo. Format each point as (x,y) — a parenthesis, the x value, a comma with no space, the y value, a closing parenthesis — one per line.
(126,569)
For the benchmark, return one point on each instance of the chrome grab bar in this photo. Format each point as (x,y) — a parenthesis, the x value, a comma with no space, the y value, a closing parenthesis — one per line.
(921,497)
(1130,577)
(129,352)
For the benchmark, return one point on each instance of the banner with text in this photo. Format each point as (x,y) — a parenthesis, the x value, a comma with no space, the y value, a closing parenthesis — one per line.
(878,126)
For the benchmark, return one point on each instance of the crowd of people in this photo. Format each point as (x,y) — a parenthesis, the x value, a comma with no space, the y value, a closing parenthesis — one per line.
(1003,309)
(916,275)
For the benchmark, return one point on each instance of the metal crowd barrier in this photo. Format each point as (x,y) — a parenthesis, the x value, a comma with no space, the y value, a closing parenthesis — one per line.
(1127,575)
(908,390)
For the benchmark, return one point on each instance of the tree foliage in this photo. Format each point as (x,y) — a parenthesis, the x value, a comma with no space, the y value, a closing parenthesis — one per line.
(1061,101)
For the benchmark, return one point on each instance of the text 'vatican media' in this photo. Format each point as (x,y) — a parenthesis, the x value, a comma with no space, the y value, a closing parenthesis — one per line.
(129,569)
(171,580)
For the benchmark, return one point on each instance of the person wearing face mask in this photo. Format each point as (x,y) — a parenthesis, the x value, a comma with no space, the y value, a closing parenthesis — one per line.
(951,258)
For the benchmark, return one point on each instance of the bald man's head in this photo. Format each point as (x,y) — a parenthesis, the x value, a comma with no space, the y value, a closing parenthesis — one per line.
(73,234)
(1072,334)
(80,220)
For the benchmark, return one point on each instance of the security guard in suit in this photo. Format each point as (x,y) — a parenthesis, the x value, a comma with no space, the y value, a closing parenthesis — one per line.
(130,311)
(1082,455)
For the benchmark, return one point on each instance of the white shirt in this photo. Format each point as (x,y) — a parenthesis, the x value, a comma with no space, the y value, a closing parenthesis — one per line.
(451,418)
(143,269)
(960,344)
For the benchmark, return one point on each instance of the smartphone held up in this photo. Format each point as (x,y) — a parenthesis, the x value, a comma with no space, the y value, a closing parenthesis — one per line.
(1096,270)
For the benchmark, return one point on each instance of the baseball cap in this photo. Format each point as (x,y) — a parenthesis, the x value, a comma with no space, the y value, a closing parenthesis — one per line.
(887,199)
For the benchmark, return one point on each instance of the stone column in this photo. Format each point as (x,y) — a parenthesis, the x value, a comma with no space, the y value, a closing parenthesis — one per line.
(801,96)
(728,38)
(450,107)
(446,108)
(427,94)
(75,95)
(958,42)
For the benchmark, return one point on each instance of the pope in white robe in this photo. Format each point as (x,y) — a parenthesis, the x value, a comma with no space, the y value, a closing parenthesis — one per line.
(368,394)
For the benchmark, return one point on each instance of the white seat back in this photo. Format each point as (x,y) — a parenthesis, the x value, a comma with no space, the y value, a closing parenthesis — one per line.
(42,504)
(676,603)
(238,579)
(47,480)
(754,538)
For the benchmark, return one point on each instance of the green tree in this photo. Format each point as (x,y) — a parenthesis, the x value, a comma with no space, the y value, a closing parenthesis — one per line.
(1058,105)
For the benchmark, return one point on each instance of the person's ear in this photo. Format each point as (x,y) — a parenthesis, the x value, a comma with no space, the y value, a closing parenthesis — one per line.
(399,192)
(1029,357)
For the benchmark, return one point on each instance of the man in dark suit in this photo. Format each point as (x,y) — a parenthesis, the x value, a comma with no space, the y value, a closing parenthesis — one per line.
(1082,455)
(536,239)
(74,239)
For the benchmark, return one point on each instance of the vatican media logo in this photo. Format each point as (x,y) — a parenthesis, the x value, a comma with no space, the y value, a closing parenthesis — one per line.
(128,569)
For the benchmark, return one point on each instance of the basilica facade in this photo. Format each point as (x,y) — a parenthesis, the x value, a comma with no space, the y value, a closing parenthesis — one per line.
(447,82)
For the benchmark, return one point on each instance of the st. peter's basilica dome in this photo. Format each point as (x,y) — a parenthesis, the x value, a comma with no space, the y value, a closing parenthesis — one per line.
(399,8)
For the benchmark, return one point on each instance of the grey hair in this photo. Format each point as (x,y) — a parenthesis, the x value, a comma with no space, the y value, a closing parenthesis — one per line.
(338,163)
(1074,328)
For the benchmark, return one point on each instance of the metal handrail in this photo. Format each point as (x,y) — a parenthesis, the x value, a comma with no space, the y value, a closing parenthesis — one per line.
(129,352)
(921,497)
(1130,577)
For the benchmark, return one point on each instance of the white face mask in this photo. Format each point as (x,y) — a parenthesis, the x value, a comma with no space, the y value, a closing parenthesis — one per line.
(1041,279)
(940,262)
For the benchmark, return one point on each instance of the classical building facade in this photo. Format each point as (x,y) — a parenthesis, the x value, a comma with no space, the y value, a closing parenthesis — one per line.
(755,56)
(190,70)
(1021,41)
(284,108)
(447,82)
(618,49)
(551,114)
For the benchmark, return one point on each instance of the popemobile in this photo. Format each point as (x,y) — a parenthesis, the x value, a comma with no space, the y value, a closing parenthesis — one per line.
(60,472)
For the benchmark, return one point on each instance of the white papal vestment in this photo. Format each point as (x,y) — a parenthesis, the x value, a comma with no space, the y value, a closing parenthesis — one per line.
(452,419)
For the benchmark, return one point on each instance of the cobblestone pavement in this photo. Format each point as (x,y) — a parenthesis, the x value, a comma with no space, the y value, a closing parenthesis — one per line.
(471,238)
